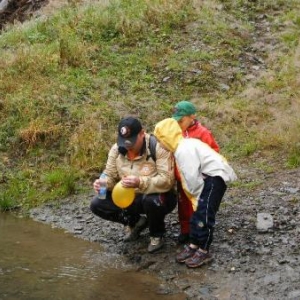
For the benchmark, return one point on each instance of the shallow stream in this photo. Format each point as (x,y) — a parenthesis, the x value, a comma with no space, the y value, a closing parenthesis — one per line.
(40,262)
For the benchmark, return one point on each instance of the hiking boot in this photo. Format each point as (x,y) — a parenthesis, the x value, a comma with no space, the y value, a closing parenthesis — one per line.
(198,259)
(134,232)
(156,243)
(186,253)
(183,238)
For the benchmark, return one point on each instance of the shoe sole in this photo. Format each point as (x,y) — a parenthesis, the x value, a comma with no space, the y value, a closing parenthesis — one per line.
(182,261)
(199,265)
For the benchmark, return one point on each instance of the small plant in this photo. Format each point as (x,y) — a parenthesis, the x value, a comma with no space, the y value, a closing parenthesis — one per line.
(247,185)
(237,201)
(226,205)
(294,201)
(266,167)
(17,191)
(293,160)
(60,183)
(7,202)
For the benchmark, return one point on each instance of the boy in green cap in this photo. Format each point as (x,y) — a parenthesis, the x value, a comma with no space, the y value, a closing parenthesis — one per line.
(184,113)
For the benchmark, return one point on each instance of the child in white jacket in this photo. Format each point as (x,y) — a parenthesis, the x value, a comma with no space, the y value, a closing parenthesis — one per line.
(204,174)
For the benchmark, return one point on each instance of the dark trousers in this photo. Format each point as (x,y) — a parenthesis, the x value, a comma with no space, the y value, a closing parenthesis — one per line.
(203,219)
(155,206)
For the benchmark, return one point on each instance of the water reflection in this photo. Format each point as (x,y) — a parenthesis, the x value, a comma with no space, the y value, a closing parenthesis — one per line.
(37,262)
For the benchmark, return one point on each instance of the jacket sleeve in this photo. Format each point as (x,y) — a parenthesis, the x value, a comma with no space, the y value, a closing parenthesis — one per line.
(163,181)
(111,167)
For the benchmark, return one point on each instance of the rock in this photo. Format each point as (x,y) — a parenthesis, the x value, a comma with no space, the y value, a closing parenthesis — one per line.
(294,295)
(264,222)
(292,190)
(272,279)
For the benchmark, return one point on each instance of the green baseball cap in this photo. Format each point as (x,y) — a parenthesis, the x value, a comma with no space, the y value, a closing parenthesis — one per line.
(183,108)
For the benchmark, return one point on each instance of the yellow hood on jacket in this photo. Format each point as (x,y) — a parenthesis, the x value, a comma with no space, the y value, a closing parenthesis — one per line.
(169,133)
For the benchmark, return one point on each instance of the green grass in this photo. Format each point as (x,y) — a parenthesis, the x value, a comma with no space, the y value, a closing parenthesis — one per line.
(60,182)
(247,185)
(66,80)
(19,189)
(293,160)
(7,202)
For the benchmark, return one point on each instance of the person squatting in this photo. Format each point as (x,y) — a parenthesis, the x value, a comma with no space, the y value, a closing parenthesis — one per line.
(130,161)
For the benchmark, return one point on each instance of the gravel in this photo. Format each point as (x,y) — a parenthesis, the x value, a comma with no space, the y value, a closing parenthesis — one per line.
(252,259)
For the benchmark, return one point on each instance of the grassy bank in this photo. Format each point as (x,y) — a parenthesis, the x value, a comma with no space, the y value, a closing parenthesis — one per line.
(66,80)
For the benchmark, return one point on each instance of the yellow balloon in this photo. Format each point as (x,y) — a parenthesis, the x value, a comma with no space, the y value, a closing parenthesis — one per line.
(122,196)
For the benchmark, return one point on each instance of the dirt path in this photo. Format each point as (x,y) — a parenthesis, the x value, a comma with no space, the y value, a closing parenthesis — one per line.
(248,263)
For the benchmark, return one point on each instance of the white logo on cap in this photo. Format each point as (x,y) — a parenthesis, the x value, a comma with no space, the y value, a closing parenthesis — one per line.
(123,131)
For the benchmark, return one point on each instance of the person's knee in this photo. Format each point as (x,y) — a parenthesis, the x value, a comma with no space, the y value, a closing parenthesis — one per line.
(149,202)
(171,203)
(153,205)
(198,220)
(94,205)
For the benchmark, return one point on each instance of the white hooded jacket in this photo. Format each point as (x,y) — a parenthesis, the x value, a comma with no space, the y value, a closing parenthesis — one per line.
(194,159)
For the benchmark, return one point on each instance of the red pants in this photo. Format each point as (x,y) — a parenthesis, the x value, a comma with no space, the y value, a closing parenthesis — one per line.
(185,210)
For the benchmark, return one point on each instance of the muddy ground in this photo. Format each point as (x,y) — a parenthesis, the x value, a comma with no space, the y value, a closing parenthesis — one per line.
(250,262)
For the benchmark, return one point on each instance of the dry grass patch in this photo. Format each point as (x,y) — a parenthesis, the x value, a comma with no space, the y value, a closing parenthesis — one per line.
(39,131)
(89,144)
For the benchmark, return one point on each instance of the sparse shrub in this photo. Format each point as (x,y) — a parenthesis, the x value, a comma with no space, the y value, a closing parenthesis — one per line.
(37,132)
(90,143)
(293,160)
(72,51)
(18,192)
(60,182)
(7,202)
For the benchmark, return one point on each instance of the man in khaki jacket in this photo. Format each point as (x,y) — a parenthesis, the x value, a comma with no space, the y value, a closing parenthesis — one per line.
(131,161)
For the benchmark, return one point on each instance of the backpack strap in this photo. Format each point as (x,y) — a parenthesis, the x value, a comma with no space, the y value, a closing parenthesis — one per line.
(152,146)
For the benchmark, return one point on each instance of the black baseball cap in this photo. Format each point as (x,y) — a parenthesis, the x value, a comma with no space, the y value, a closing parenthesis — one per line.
(128,131)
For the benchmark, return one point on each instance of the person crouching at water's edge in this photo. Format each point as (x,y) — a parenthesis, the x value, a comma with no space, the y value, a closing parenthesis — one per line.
(131,162)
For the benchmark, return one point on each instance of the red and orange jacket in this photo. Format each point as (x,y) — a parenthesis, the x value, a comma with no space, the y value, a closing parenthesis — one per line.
(200,132)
